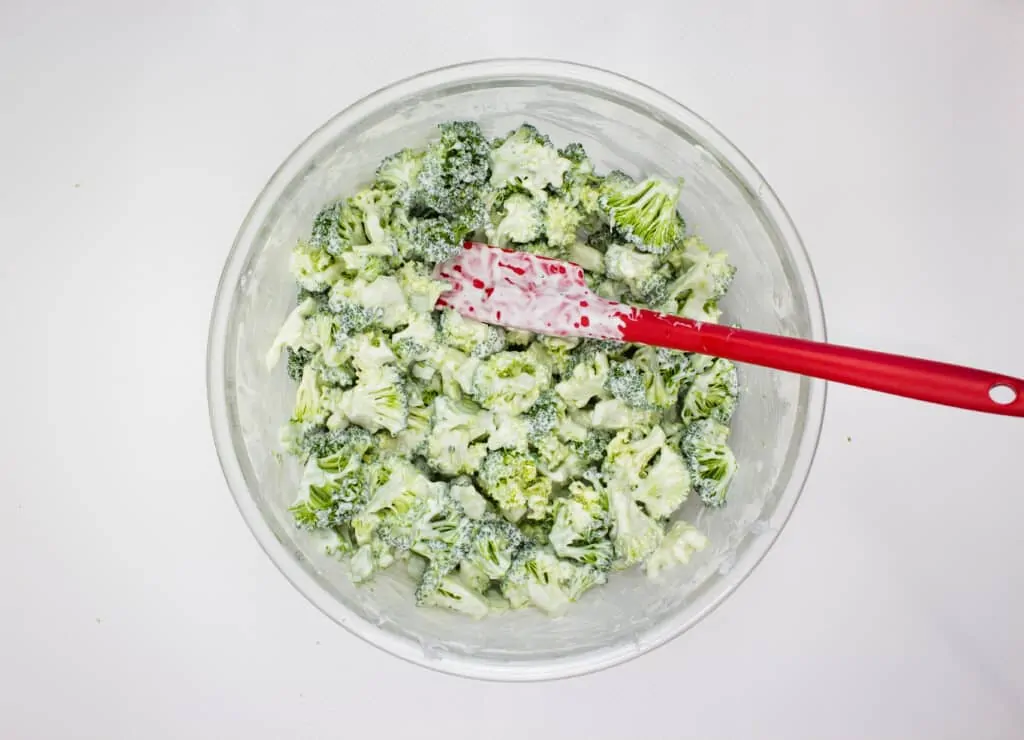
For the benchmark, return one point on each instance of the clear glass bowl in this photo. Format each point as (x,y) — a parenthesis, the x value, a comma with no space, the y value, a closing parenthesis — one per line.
(623,125)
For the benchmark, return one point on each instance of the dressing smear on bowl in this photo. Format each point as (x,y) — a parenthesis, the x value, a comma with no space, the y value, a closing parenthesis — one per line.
(503,469)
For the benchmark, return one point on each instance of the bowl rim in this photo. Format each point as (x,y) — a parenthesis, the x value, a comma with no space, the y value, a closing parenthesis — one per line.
(233,276)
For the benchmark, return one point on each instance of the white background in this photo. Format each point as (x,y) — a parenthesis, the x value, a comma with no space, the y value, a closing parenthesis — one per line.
(136,604)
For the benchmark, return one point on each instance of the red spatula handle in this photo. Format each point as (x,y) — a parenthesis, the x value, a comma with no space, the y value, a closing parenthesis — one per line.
(937,382)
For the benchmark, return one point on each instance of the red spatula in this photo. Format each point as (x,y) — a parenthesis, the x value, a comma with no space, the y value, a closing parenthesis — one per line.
(546,296)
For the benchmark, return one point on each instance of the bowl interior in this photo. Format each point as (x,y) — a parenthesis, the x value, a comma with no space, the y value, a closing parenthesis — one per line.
(771,293)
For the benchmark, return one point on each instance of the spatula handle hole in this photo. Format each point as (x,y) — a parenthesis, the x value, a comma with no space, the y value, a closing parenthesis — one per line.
(1002,394)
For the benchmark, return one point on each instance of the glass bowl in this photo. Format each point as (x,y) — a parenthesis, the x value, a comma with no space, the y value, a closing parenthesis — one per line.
(624,125)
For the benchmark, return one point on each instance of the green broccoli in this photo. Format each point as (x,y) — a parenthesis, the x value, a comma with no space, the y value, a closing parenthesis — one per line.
(472,337)
(313,268)
(712,393)
(581,526)
(452,446)
(526,158)
(377,403)
(588,379)
(561,222)
(643,213)
(399,174)
(613,413)
(456,168)
(297,361)
(636,269)
(712,464)
(696,292)
(430,239)
(680,542)
(420,287)
(510,479)
(449,592)
(493,547)
(337,227)
(510,382)
(645,466)
(518,219)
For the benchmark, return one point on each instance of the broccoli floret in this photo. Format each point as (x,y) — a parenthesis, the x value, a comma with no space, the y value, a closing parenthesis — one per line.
(452,593)
(561,222)
(680,542)
(592,448)
(370,558)
(708,276)
(636,269)
(536,577)
(635,535)
(457,426)
(337,227)
(510,478)
(510,432)
(370,351)
(544,416)
(580,186)
(377,402)
(643,213)
(648,469)
(399,174)
(420,287)
(518,219)
(328,499)
(456,169)
(712,393)
(333,365)
(555,352)
(375,206)
(297,361)
(493,547)
(525,157)
(340,452)
(587,257)
(430,239)
(383,301)
(510,382)
(711,461)
(415,341)
(626,383)
(541,248)
(615,414)
(368,261)
(518,338)
(644,382)
(475,505)
(292,332)
(412,439)
(588,379)
(581,526)
(472,337)
(353,318)
(539,578)
(313,268)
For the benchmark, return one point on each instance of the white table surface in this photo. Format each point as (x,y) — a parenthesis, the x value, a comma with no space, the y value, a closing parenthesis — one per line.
(136,604)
